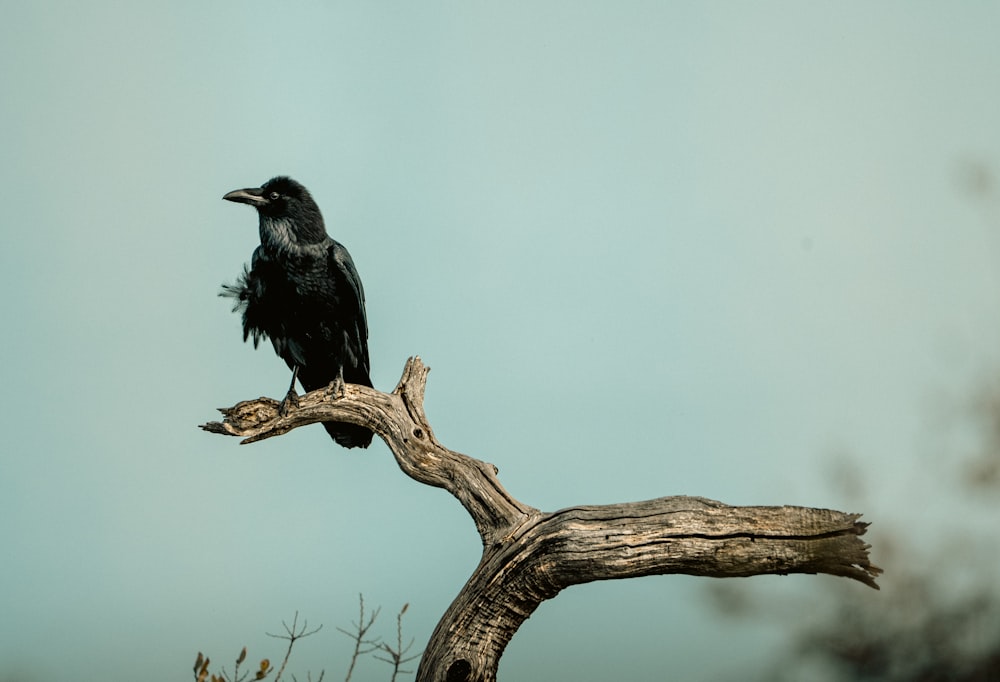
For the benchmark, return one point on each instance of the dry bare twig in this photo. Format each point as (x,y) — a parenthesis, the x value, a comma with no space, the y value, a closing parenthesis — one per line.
(362,645)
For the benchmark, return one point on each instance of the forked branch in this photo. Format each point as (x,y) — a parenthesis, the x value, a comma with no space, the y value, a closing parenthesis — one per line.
(529,556)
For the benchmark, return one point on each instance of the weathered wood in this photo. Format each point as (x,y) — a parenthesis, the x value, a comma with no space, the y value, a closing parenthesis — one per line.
(529,555)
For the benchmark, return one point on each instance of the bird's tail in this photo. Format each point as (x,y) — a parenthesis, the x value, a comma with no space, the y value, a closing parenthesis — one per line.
(349,435)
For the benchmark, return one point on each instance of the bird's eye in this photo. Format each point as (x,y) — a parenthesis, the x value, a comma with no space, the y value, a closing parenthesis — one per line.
(275,196)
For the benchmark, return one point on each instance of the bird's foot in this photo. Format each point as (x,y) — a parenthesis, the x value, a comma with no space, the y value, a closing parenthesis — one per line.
(290,402)
(336,389)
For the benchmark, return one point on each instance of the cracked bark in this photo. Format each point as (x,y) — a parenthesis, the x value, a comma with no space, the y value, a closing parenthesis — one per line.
(530,555)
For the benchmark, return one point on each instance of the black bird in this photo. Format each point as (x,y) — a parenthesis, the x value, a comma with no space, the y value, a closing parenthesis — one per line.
(302,291)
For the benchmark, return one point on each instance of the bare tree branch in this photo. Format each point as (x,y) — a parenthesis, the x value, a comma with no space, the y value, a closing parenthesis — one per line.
(398,418)
(292,634)
(362,644)
(529,556)
(397,655)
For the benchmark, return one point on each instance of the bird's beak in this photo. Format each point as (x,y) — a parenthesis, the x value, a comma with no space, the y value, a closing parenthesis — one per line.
(253,196)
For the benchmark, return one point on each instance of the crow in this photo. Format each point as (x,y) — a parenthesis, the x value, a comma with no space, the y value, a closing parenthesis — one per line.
(302,291)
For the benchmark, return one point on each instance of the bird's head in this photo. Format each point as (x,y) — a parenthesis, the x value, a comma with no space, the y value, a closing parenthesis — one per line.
(284,206)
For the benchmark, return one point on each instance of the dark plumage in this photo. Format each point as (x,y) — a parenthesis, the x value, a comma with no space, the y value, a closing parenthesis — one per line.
(302,292)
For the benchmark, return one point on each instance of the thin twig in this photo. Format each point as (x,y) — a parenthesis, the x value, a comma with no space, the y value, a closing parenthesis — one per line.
(361,645)
(293,634)
(397,656)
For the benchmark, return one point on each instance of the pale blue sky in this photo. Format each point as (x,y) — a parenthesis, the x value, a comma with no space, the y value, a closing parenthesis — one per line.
(648,248)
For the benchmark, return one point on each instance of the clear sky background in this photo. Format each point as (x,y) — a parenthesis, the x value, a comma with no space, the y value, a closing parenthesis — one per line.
(647,248)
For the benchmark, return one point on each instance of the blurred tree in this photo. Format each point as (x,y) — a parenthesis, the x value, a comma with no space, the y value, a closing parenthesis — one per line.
(938,618)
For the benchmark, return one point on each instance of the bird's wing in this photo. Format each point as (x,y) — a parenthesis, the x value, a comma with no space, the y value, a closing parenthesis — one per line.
(342,267)
(352,299)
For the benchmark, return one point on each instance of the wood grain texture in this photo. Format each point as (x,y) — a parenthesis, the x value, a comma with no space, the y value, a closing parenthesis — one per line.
(530,556)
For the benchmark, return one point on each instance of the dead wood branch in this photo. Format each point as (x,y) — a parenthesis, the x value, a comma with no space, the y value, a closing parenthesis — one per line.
(529,555)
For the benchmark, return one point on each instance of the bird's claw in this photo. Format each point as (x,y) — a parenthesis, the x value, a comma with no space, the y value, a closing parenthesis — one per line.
(336,389)
(290,402)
